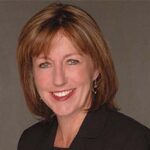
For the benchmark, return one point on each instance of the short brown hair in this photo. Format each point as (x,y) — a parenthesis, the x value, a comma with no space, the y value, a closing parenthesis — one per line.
(84,32)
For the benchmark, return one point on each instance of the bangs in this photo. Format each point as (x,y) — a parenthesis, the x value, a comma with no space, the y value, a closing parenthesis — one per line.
(42,42)
(76,33)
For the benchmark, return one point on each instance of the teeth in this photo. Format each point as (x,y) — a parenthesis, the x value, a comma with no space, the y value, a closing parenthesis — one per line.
(63,93)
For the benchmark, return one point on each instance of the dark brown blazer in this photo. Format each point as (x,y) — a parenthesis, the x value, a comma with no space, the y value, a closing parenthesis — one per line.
(101,130)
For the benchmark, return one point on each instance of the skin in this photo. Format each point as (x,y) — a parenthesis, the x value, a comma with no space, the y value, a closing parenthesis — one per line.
(64,82)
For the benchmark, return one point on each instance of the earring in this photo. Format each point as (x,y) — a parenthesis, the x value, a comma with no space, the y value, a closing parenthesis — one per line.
(95,87)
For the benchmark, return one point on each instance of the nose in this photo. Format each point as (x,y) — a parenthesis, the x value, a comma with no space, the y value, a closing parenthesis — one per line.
(59,78)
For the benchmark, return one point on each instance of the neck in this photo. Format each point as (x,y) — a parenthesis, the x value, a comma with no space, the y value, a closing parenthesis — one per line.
(68,127)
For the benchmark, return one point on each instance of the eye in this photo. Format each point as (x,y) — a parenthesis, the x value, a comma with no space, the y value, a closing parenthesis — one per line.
(44,65)
(72,61)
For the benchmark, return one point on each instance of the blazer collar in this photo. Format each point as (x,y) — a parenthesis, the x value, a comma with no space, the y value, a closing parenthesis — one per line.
(93,125)
(48,139)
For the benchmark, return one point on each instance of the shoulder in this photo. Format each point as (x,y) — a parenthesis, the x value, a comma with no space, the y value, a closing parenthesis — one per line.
(32,135)
(123,121)
(127,130)
(36,130)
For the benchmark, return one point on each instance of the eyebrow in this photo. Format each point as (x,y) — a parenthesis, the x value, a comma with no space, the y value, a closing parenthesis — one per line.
(68,55)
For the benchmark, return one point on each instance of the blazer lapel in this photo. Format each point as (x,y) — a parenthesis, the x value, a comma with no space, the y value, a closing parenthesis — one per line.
(91,131)
(48,140)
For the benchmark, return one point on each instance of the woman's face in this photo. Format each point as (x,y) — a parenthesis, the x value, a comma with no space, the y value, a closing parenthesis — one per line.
(64,79)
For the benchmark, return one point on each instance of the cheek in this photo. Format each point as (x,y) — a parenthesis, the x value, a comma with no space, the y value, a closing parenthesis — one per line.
(41,80)
(82,75)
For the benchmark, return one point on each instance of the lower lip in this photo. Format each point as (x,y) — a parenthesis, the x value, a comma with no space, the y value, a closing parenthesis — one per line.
(64,98)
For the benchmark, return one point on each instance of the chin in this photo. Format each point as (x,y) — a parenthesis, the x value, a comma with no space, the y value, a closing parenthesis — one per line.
(62,114)
(66,112)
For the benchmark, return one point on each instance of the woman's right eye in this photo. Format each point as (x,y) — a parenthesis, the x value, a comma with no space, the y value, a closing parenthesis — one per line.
(44,65)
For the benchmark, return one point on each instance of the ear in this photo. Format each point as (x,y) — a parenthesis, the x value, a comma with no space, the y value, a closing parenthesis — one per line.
(95,74)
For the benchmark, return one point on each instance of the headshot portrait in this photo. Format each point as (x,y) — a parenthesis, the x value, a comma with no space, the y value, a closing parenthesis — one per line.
(69,80)
(81,76)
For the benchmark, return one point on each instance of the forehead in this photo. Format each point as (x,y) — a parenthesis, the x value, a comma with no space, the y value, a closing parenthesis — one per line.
(60,42)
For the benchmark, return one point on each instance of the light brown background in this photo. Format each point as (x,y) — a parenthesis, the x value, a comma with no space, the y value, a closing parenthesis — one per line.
(126,26)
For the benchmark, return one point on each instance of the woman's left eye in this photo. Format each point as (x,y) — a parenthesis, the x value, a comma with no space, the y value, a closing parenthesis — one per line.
(72,62)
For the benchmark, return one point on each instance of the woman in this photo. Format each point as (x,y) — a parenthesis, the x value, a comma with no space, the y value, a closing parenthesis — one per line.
(69,80)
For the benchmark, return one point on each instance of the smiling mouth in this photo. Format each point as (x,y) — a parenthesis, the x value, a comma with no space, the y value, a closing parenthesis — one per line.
(63,95)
